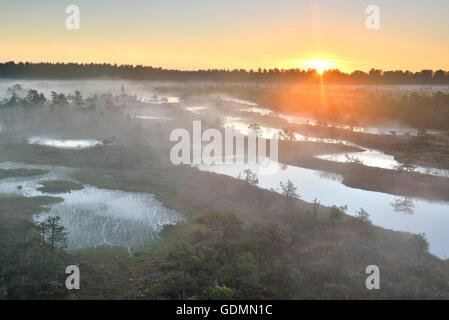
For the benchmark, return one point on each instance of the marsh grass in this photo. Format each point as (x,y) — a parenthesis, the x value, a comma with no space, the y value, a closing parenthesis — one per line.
(59,186)
(9,173)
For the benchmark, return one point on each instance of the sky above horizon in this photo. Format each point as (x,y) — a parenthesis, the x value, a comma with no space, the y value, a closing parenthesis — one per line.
(200,34)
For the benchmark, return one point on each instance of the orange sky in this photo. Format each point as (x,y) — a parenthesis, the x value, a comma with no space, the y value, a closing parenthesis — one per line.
(234,34)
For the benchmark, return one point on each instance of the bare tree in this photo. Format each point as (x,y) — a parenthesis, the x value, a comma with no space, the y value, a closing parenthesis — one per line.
(316,205)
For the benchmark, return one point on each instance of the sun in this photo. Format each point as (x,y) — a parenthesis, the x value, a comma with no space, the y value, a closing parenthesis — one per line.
(319,65)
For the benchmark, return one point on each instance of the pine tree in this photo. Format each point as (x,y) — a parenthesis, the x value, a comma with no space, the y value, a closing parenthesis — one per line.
(53,233)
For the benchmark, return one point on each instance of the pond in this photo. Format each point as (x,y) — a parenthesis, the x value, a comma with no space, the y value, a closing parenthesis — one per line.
(159,100)
(376,158)
(64,143)
(153,118)
(93,216)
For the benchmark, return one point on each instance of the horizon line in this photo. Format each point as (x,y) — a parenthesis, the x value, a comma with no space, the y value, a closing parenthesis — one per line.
(248,70)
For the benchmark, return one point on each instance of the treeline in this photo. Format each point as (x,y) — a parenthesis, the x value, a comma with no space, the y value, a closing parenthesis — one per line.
(33,98)
(88,71)
(347,105)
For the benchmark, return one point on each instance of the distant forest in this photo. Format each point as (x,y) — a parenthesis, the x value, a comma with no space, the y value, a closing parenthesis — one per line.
(12,70)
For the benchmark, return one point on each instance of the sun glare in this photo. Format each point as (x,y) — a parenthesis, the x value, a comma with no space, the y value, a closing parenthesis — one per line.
(319,65)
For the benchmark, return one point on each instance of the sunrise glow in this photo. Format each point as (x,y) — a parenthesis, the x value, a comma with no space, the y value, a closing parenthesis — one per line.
(319,65)
(221,36)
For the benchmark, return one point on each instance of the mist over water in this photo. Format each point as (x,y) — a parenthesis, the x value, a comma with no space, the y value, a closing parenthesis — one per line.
(93,216)
(429,217)
(64,144)
(96,216)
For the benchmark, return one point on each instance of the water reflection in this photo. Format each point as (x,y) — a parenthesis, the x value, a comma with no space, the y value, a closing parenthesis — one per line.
(403,205)
(239,101)
(261,111)
(93,216)
(153,118)
(159,100)
(368,157)
(429,217)
(196,109)
(330,175)
(64,144)
(379,159)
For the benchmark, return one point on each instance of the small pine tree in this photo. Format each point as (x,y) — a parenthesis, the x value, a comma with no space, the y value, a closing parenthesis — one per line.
(250,177)
(288,190)
(363,216)
(420,244)
(53,233)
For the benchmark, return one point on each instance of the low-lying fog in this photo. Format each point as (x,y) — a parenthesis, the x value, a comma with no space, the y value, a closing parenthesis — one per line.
(104,217)
(92,216)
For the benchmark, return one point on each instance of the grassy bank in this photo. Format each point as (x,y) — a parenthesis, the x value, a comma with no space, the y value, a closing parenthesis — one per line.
(286,247)
(59,186)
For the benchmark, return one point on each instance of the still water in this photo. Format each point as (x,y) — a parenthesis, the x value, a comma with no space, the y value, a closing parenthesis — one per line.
(424,216)
(93,216)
